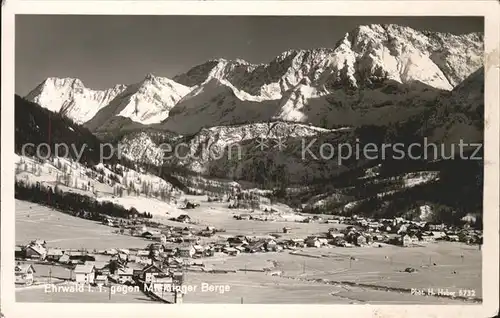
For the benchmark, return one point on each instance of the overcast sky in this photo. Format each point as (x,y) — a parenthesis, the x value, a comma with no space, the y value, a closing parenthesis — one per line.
(106,50)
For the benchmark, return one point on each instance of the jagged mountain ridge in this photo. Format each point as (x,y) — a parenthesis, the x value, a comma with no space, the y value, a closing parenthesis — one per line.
(452,116)
(146,102)
(273,167)
(365,57)
(233,151)
(71,98)
(218,104)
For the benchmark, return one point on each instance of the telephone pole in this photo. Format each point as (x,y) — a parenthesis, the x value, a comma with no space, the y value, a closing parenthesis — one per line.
(184,272)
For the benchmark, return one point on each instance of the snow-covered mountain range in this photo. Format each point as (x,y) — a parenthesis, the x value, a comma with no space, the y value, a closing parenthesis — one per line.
(373,71)
(70,97)
(367,54)
(380,84)
(146,102)
(447,118)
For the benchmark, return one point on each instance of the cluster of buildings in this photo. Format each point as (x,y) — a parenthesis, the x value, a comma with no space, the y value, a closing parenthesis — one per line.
(399,231)
(256,217)
(156,265)
(362,231)
(161,232)
(102,273)
(173,250)
(171,246)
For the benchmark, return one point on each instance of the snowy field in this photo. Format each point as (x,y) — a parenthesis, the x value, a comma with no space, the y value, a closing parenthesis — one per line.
(380,270)
(439,265)
(382,277)
(260,288)
(219,215)
(34,221)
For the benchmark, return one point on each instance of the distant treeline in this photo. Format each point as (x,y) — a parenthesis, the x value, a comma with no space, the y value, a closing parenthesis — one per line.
(73,203)
(458,191)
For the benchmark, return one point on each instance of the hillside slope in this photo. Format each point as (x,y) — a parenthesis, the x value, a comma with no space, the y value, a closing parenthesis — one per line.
(35,125)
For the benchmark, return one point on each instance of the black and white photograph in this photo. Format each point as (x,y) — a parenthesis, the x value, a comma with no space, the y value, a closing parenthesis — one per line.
(250,159)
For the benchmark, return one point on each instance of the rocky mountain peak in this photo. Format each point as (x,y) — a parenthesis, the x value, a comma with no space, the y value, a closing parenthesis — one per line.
(295,85)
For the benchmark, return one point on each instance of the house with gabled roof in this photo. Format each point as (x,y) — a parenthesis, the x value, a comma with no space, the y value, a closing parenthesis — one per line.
(84,274)
(239,239)
(257,246)
(142,253)
(271,244)
(148,273)
(35,252)
(339,241)
(244,217)
(187,250)
(170,249)
(54,254)
(39,242)
(101,280)
(438,235)
(323,241)
(199,249)
(407,240)
(219,246)
(150,234)
(156,247)
(24,274)
(64,259)
(231,251)
(101,267)
(426,236)
(125,274)
(184,218)
(111,251)
(123,257)
(295,242)
(123,251)
(312,241)
(435,226)
(207,233)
